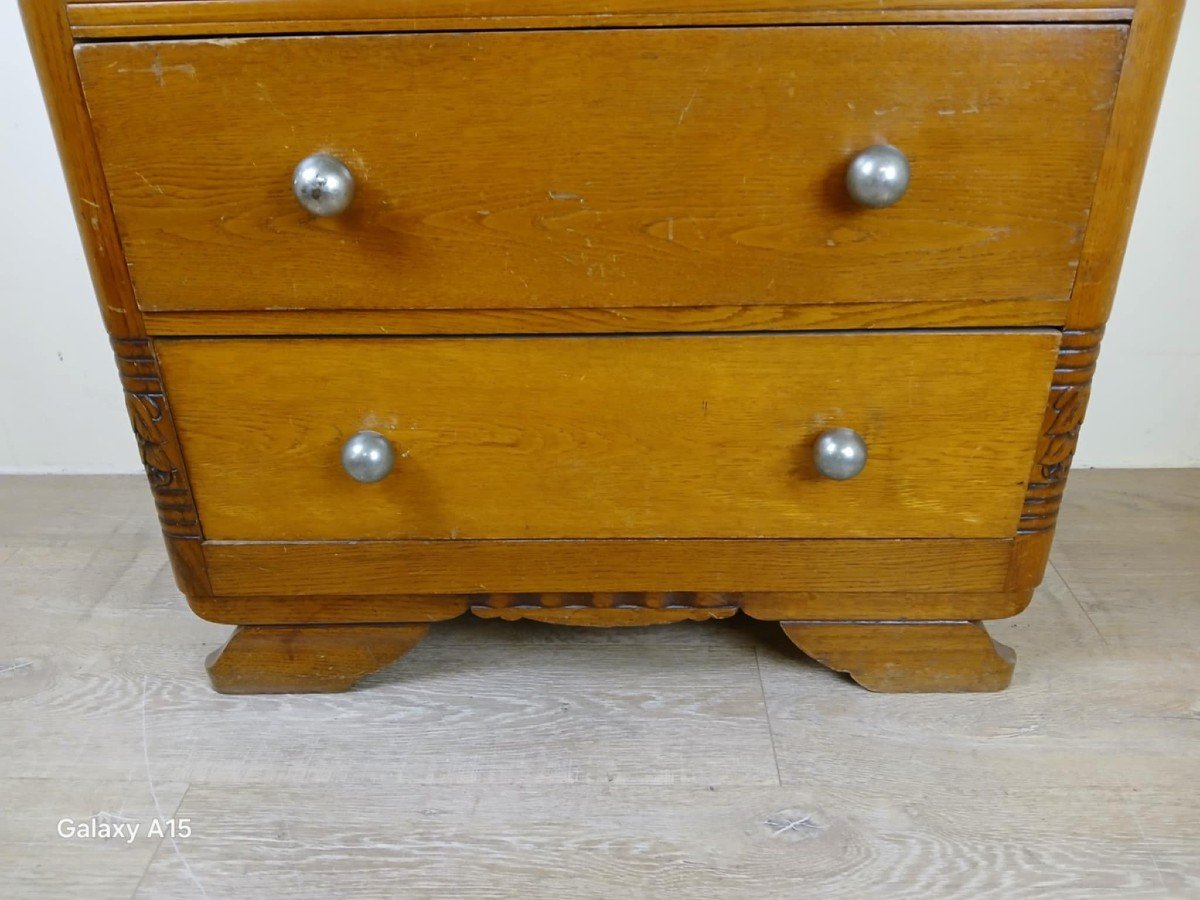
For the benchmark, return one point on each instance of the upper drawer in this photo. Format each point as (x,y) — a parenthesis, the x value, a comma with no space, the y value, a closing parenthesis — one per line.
(676,167)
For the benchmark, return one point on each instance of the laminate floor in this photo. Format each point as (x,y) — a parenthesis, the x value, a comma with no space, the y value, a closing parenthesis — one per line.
(523,760)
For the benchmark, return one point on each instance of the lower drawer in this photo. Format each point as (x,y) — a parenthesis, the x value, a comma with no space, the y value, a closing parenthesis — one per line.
(610,437)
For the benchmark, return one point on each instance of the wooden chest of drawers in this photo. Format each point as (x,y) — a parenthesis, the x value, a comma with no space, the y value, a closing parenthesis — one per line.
(605,314)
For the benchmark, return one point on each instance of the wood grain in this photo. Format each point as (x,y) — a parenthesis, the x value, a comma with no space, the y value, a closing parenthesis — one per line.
(996,226)
(611,437)
(162,459)
(915,313)
(604,617)
(890,605)
(306,659)
(321,610)
(1070,391)
(681,605)
(52,47)
(1079,724)
(516,753)
(538,185)
(906,657)
(844,838)
(38,862)
(109,660)
(97,18)
(388,567)
(1121,579)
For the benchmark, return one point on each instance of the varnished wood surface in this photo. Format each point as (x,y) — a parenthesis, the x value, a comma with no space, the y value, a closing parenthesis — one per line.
(50,42)
(101,19)
(818,317)
(495,566)
(604,168)
(888,657)
(162,458)
(53,54)
(930,657)
(1143,79)
(593,617)
(826,605)
(306,659)
(507,753)
(882,604)
(681,437)
(299,609)
(1066,406)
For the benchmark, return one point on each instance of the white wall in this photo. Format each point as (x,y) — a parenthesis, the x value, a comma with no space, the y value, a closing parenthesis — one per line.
(61,409)
(1145,408)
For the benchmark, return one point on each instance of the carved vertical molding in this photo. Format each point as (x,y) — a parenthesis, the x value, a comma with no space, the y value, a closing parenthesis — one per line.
(1070,390)
(162,457)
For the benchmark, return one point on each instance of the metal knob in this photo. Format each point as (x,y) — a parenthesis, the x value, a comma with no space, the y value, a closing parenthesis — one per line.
(323,185)
(840,453)
(368,457)
(878,177)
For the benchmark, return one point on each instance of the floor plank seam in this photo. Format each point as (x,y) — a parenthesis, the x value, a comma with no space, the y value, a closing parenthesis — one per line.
(1134,813)
(170,835)
(767,715)
(571,762)
(1079,603)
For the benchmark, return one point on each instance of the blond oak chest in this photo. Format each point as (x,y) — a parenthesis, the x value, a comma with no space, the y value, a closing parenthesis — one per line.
(611,313)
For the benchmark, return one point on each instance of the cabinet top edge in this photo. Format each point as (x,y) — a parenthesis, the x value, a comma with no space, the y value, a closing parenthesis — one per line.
(116,19)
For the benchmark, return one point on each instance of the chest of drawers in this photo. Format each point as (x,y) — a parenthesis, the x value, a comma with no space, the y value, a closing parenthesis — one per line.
(604,314)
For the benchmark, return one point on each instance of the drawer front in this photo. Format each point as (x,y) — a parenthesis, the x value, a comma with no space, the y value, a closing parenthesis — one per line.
(622,168)
(620,437)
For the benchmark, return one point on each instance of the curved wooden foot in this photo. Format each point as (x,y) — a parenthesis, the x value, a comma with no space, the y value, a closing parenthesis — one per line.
(908,657)
(306,659)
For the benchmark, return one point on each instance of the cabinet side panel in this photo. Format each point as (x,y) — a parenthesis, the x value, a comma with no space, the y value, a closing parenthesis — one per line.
(53,53)
(51,44)
(1139,94)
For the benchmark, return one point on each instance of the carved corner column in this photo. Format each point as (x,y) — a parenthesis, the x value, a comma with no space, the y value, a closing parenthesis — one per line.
(162,458)
(1070,390)
(1143,77)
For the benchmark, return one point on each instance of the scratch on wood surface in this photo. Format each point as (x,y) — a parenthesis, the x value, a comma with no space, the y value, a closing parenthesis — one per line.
(790,823)
(687,106)
(265,95)
(149,183)
(157,806)
(159,71)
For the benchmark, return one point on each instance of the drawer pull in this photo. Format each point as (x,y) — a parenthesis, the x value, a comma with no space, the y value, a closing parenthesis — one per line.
(323,185)
(878,177)
(368,457)
(840,453)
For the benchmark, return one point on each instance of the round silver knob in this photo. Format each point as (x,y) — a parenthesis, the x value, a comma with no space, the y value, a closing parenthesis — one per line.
(878,177)
(368,457)
(323,185)
(840,453)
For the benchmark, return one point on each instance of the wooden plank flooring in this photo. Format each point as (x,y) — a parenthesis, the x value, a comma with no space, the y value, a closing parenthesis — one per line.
(522,760)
